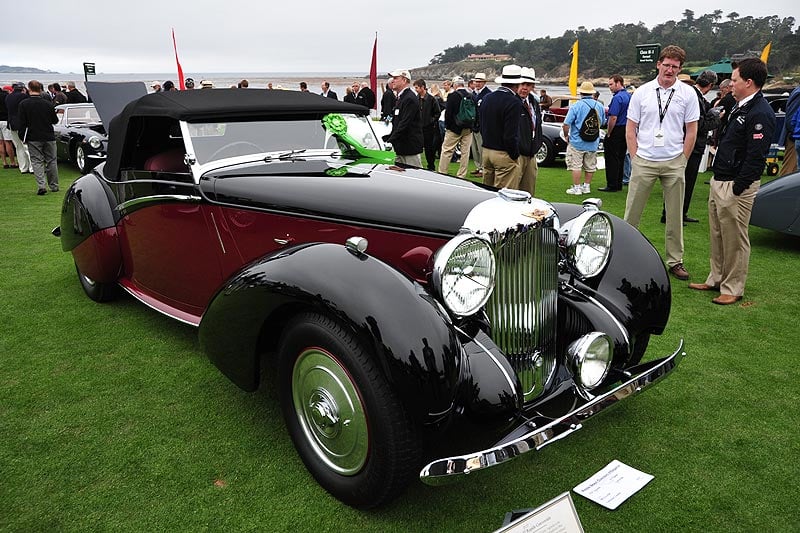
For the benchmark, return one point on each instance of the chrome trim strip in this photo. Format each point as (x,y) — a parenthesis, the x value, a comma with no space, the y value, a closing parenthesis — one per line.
(605,309)
(216,229)
(447,468)
(148,304)
(158,198)
(488,352)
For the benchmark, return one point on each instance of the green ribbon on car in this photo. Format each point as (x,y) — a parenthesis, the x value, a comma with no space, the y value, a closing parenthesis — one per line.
(336,125)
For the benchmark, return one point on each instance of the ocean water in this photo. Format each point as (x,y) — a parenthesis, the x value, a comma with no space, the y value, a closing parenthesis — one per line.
(258,80)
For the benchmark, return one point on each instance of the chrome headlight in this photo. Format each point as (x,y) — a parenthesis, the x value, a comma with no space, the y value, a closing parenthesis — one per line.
(588,242)
(590,358)
(463,274)
(95,142)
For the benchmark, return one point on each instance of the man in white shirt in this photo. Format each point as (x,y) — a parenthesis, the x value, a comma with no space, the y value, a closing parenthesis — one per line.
(660,133)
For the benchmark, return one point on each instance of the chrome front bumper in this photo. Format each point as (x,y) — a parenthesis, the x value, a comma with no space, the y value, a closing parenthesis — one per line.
(449,468)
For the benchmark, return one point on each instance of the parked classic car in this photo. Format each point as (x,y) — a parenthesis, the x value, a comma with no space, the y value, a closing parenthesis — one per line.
(80,136)
(777,205)
(553,145)
(418,324)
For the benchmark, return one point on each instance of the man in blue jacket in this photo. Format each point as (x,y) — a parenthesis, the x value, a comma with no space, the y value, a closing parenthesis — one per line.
(499,115)
(738,164)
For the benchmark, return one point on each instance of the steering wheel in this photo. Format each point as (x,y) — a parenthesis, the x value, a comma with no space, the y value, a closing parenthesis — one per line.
(233,146)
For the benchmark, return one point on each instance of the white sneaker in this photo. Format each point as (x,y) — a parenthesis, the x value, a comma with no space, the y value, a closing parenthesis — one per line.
(575,189)
(585,188)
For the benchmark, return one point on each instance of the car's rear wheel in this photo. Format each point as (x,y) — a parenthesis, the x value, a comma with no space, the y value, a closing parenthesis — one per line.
(97,291)
(546,154)
(349,429)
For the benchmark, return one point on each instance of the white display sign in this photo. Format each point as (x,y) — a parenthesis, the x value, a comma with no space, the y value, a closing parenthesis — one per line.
(613,484)
(556,516)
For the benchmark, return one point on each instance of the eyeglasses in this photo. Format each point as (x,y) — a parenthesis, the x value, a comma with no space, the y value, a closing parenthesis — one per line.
(673,67)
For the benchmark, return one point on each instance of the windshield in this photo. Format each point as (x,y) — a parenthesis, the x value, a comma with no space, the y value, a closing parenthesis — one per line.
(82,115)
(213,141)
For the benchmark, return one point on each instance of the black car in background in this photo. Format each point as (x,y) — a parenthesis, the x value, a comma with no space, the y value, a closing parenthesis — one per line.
(80,136)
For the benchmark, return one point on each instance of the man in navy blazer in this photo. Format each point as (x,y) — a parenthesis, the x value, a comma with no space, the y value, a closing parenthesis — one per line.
(326,91)
(500,113)
(406,136)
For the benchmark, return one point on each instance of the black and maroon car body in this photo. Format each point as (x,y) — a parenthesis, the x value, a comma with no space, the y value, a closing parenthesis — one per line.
(418,324)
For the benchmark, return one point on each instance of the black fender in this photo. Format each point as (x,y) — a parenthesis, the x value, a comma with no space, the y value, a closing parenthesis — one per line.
(88,208)
(634,287)
(408,332)
(89,228)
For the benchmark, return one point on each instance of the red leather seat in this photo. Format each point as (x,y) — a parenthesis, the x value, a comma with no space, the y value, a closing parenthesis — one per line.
(169,161)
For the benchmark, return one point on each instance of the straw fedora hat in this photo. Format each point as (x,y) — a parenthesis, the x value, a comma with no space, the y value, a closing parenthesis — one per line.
(587,87)
(511,74)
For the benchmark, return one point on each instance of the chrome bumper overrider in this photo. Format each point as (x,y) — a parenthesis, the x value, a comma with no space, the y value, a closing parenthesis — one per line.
(448,468)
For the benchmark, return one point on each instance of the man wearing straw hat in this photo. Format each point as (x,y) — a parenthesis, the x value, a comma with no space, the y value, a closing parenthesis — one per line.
(582,153)
(480,92)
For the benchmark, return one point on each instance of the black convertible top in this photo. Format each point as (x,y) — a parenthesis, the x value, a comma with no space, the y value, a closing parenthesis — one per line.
(201,105)
(209,105)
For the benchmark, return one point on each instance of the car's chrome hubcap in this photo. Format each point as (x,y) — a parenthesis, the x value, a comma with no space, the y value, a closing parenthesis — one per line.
(330,411)
(80,157)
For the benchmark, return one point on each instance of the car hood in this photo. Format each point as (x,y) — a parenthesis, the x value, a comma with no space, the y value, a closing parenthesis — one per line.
(377,195)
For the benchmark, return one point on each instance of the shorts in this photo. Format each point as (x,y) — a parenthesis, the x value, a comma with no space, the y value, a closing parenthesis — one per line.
(5,133)
(580,160)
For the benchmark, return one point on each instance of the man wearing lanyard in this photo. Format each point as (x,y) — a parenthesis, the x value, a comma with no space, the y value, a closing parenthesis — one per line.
(660,133)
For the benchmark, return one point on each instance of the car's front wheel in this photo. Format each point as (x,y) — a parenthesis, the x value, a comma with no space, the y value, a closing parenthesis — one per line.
(349,429)
(97,291)
(546,154)
(83,163)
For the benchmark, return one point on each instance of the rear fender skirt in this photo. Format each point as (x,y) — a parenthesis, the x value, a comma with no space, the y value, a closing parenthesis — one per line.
(99,256)
(87,209)
(407,331)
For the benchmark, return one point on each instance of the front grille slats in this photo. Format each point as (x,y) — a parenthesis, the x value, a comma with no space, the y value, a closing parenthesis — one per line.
(522,309)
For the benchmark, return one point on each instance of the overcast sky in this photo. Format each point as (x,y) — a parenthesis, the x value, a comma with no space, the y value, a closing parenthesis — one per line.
(306,35)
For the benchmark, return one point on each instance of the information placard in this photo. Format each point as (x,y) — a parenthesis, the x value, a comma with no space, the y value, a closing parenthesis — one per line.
(556,516)
(613,484)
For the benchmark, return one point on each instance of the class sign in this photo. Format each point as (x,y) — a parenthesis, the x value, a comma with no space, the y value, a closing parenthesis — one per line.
(647,53)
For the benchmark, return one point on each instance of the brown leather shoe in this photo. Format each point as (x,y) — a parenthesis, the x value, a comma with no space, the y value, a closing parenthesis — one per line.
(679,272)
(726,299)
(703,287)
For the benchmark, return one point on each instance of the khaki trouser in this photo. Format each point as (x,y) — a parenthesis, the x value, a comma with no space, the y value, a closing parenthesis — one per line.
(23,157)
(413,160)
(729,220)
(449,144)
(789,158)
(477,149)
(499,170)
(644,174)
(528,170)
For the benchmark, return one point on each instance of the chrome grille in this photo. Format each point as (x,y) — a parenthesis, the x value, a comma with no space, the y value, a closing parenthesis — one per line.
(522,309)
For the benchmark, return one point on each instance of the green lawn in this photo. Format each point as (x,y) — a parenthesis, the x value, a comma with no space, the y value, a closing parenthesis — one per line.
(111,417)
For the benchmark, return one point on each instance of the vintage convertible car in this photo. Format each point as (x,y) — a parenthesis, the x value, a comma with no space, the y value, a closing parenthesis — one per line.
(80,136)
(417,324)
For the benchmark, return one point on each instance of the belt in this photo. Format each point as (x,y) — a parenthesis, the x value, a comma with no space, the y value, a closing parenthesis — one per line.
(724,178)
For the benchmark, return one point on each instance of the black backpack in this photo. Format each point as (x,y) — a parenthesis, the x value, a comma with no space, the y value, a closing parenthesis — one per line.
(467,112)
(590,129)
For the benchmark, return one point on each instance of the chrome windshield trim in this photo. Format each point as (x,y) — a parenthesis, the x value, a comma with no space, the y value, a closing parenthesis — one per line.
(157,199)
(450,468)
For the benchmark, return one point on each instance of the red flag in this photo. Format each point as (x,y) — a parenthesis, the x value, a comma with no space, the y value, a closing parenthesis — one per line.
(373,72)
(181,82)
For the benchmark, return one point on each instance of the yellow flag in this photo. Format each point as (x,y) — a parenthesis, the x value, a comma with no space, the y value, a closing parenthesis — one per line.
(573,71)
(765,52)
